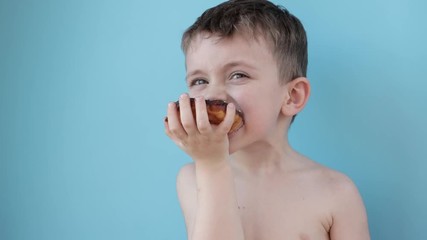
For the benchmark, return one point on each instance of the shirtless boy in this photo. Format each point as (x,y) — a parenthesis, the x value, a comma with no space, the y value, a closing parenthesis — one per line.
(250,184)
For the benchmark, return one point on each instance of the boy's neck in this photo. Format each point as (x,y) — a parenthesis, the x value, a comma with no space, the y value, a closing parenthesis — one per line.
(265,157)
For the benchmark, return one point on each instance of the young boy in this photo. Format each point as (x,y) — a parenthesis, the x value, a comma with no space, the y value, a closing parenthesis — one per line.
(250,184)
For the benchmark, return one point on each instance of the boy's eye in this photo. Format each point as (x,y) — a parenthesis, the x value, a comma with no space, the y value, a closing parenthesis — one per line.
(198,82)
(238,75)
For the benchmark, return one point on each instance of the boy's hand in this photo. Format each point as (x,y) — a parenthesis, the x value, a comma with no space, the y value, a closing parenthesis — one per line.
(203,142)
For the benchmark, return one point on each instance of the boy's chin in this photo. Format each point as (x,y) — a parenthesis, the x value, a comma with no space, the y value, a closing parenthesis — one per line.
(234,146)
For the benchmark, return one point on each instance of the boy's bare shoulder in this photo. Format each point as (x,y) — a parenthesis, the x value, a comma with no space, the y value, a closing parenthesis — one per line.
(187,192)
(336,193)
(186,171)
(186,178)
(335,190)
(330,181)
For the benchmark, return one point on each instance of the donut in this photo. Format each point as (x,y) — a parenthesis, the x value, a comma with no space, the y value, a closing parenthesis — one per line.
(216,110)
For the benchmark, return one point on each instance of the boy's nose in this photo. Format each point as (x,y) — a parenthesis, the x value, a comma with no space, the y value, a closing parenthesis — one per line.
(216,92)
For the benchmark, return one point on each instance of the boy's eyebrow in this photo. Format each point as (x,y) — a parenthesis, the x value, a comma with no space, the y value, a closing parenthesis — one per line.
(195,72)
(238,63)
(225,67)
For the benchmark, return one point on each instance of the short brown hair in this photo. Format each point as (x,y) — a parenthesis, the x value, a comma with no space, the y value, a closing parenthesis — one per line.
(282,30)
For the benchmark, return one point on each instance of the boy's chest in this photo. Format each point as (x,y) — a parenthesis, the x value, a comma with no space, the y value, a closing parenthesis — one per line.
(268,212)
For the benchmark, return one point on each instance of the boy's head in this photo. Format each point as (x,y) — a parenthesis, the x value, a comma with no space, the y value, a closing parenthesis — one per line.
(282,31)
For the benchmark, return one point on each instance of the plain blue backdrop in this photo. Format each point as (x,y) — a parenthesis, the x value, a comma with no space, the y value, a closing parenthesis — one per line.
(84,87)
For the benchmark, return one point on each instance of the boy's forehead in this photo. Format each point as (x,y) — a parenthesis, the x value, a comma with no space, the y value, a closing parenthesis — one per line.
(210,50)
(215,40)
(200,38)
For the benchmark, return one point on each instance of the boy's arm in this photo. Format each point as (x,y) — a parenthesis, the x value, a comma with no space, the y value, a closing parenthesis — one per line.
(208,202)
(349,218)
(216,215)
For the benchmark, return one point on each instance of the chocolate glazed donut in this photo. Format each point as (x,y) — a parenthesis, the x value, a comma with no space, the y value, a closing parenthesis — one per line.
(216,112)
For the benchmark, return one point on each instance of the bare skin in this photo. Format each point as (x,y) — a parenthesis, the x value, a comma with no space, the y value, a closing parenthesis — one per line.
(308,202)
(252,185)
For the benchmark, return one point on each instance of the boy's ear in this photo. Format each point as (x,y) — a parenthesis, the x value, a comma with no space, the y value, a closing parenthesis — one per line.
(298,91)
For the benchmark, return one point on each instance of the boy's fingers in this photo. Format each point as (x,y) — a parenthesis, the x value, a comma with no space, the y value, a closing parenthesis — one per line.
(166,123)
(226,125)
(202,118)
(187,119)
(173,124)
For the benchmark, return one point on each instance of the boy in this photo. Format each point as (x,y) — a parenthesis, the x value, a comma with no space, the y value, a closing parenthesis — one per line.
(250,184)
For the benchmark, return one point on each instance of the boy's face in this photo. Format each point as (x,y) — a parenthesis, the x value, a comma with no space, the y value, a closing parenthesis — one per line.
(242,71)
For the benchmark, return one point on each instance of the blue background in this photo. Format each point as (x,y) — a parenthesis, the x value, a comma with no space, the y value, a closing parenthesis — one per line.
(84,87)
